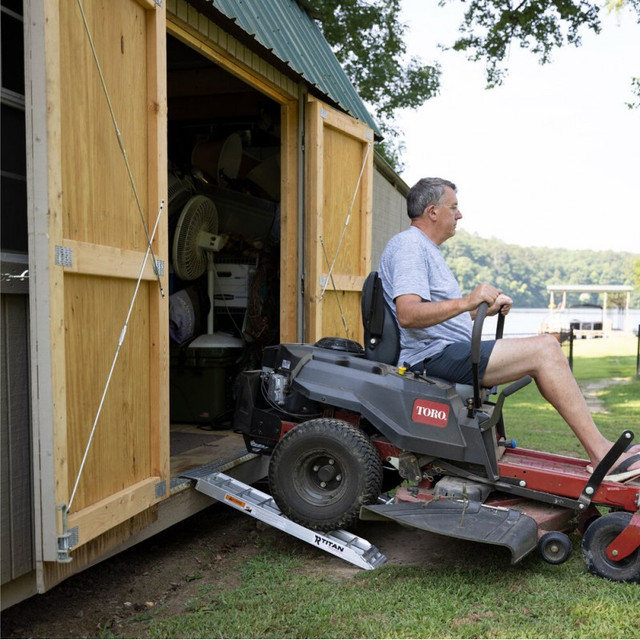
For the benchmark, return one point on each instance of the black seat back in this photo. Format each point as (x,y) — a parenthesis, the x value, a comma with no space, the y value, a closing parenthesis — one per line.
(381,334)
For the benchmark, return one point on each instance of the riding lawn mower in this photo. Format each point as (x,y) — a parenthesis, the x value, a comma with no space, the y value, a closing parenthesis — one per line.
(351,435)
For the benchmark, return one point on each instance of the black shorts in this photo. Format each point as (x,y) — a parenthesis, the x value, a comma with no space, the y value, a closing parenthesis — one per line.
(453,363)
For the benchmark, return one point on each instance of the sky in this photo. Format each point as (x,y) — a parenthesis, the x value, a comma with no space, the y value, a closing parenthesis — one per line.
(550,158)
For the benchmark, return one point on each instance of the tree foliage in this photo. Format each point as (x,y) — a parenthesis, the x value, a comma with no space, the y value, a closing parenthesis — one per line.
(368,40)
(367,37)
(524,272)
(490,27)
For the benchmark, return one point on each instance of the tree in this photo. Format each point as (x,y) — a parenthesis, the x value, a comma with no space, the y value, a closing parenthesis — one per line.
(367,38)
(491,26)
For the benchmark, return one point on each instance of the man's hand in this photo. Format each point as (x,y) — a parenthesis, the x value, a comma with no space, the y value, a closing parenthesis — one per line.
(502,304)
(497,301)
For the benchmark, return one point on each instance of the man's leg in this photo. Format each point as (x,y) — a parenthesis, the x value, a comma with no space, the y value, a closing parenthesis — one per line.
(542,358)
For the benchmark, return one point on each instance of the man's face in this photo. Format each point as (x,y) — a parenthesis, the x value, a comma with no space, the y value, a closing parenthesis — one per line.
(447,214)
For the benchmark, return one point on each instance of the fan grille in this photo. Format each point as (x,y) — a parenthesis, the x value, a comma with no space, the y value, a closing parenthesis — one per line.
(190,259)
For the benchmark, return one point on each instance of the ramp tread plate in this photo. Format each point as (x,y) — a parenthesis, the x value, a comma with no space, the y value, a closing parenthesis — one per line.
(234,459)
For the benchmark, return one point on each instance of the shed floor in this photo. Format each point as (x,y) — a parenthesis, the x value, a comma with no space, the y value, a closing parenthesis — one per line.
(193,446)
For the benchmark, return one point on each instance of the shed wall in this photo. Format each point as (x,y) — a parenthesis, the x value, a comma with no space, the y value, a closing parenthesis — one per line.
(389,213)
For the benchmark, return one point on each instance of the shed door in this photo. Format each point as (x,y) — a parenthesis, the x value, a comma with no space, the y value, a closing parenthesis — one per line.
(98,177)
(339,187)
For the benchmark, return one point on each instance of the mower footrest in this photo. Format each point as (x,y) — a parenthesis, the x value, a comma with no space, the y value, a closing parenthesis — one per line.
(463,519)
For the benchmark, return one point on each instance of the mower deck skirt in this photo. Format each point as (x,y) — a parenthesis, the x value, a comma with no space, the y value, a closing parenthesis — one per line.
(463,519)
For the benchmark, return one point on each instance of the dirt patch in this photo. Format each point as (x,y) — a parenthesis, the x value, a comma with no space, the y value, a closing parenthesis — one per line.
(159,577)
(590,392)
(163,572)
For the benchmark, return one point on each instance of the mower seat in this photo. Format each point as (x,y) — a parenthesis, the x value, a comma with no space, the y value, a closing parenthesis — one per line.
(381,332)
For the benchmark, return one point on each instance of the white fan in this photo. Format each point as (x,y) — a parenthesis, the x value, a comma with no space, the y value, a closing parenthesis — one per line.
(179,191)
(196,239)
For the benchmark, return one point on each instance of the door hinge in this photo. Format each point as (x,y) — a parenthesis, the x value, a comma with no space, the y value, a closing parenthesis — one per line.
(159,267)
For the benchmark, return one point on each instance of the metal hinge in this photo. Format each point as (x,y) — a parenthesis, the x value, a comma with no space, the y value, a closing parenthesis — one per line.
(159,267)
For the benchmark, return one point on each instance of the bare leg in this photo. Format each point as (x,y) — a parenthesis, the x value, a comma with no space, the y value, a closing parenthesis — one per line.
(542,358)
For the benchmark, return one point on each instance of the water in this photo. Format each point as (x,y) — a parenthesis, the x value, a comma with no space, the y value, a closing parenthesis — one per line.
(526,322)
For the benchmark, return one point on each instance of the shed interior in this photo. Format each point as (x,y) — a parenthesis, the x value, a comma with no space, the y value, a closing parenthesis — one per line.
(223,209)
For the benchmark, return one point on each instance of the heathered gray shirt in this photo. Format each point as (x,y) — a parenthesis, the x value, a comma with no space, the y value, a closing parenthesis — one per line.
(412,264)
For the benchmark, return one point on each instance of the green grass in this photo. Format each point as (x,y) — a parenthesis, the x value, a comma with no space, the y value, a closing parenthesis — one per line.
(487,599)
(477,595)
(484,597)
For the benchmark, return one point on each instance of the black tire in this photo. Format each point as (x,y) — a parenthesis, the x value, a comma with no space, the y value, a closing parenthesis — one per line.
(597,538)
(323,471)
(554,547)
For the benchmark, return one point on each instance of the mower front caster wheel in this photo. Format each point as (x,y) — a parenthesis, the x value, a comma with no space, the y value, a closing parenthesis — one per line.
(600,534)
(554,547)
(323,471)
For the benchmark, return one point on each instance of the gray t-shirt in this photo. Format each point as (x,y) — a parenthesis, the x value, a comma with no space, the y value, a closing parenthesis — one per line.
(412,264)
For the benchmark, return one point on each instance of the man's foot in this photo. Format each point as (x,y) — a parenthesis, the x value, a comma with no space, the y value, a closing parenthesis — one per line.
(629,461)
(627,469)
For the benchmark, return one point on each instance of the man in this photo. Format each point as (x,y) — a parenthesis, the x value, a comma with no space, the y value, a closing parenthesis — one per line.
(435,320)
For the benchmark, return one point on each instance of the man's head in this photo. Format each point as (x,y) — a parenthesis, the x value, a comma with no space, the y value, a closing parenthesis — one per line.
(425,192)
(432,205)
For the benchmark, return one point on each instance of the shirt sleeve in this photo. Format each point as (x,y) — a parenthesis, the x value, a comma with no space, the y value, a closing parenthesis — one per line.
(404,268)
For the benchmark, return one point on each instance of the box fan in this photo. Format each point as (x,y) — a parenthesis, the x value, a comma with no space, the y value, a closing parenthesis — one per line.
(195,241)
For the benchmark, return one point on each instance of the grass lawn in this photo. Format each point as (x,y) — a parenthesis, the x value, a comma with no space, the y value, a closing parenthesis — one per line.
(477,595)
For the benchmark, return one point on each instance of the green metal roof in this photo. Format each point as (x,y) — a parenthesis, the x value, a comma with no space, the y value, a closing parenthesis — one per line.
(288,32)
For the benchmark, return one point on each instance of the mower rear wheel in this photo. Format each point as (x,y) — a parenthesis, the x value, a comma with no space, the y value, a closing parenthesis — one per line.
(323,471)
(554,547)
(598,537)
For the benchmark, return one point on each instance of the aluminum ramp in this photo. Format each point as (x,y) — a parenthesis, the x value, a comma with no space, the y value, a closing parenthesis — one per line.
(262,506)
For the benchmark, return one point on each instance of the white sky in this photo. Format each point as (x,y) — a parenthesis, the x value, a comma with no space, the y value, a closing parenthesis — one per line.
(550,158)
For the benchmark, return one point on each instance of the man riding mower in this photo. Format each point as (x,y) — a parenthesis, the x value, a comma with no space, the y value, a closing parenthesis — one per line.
(344,426)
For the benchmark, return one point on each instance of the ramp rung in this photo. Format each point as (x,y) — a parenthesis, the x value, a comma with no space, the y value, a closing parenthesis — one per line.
(263,507)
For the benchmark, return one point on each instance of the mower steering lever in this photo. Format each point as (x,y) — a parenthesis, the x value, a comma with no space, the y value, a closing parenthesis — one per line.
(603,467)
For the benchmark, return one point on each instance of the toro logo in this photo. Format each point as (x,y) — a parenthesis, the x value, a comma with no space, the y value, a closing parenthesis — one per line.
(433,413)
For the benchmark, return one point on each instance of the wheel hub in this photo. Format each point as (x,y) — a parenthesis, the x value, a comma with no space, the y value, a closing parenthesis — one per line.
(327,474)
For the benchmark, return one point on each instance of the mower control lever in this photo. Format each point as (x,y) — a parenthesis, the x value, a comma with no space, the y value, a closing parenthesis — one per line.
(603,467)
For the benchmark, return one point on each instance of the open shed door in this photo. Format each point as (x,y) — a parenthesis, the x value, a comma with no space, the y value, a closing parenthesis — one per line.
(97,138)
(339,188)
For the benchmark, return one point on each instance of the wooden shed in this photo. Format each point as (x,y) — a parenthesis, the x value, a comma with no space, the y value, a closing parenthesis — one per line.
(139,116)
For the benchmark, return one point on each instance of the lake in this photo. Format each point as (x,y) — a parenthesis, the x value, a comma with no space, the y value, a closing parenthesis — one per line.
(526,322)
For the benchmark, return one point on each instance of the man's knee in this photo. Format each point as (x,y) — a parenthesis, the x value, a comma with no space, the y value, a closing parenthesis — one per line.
(550,347)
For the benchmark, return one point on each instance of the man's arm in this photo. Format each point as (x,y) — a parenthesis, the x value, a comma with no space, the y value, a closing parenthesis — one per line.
(415,313)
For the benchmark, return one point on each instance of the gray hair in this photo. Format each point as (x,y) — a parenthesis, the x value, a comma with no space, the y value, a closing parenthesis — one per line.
(424,193)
